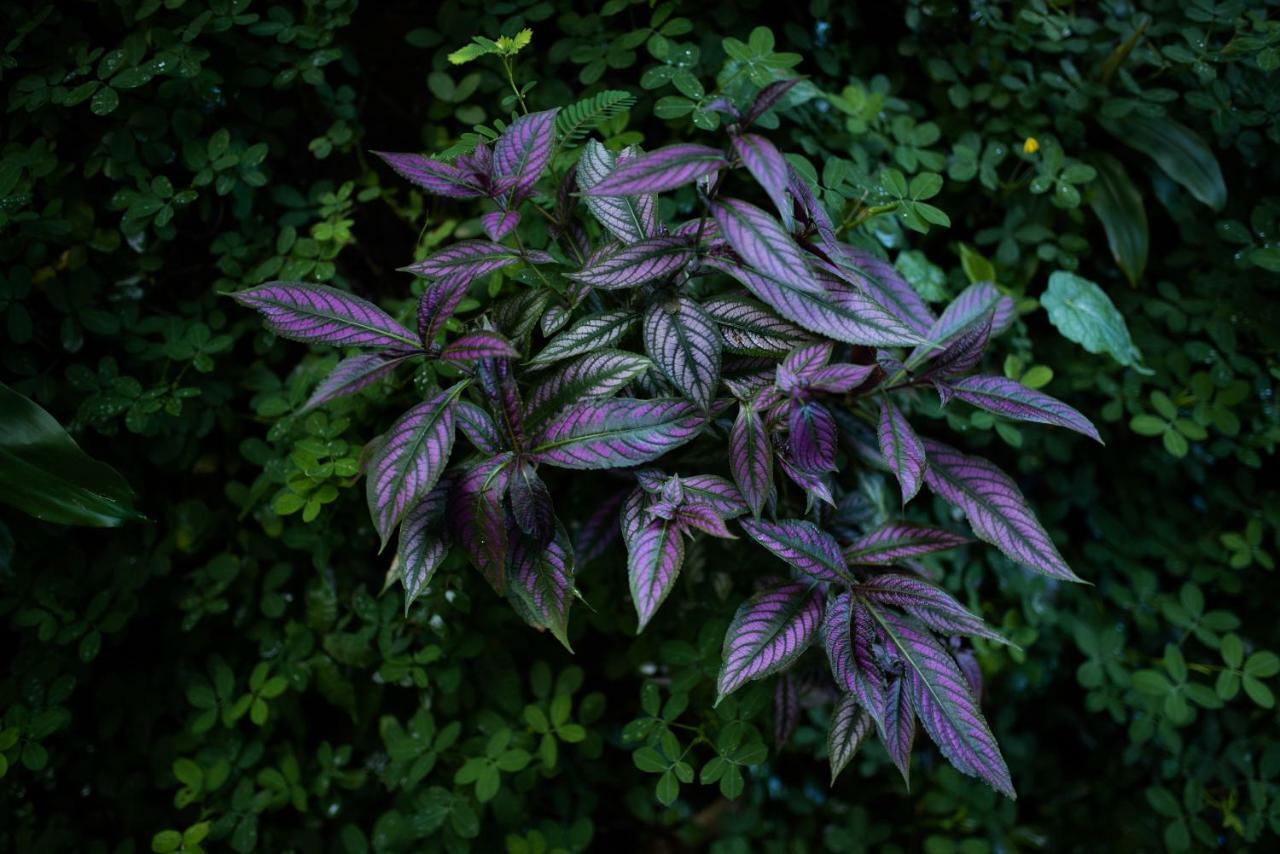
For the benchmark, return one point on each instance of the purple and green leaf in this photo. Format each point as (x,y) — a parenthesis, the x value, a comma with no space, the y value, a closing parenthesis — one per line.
(539,582)
(477,517)
(751,458)
(655,553)
(928,603)
(750,329)
(434,176)
(767,165)
(803,545)
(901,448)
(898,541)
(616,433)
(1012,399)
(351,375)
(684,342)
(765,245)
(629,218)
(661,170)
(600,374)
(523,151)
(812,437)
(323,315)
(422,547)
(627,265)
(769,631)
(850,725)
(586,336)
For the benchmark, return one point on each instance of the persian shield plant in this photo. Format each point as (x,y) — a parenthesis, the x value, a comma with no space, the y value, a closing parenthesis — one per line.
(751,327)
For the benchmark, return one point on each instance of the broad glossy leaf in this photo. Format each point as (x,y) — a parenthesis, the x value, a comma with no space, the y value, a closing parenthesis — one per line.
(478,426)
(421,548)
(765,245)
(324,315)
(943,702)
(901,449)
(477,518)
(629,218)
(627,265)
(481,344)
(715,492)
(928,603)
(44,473)
(437,304)
(963,353)
(661,170)
(980,303)
(803,545)
(434,176)
(898,541)
(587,335)
(1083,313)
(616,432)
(769,631)
(1012,399)
(767,165)
(655,554)
(522,152)
(596,375)
(539,582)
(472,258)
(684,342)
(410,459)
(751,458)
(750,329)
(351,375)
(1118,205)
(848,634)
(995,507)
(811,437)
(850,725)
(1179,151)
(886,286)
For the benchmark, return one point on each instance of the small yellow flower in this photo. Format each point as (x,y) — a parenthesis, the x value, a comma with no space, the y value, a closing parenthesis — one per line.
(1030,145)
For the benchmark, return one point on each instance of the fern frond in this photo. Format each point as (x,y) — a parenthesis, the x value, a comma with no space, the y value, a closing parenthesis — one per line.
(577,120)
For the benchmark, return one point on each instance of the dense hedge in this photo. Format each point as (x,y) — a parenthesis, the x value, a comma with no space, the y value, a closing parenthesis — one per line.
(240,671)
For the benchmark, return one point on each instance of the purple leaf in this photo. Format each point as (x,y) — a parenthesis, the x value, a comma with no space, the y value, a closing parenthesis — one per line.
(472,258)
(885,285)
(850,725)
(899,541)
(750,329)
(786,709)
(324,315)
(902,449)
(768,98)
(928,603)
(523,150)
(814,484)
(813,210)
(839,313)
(434,176)
(702,517)
(617,432)
(968,663)
(769,631)
(586,336)
(995,508)
(661,170)
(498,224)
(802,361)
(633,517)
(715,492)
(751,458)
(767,165)
(838,379)
(655,554)
(531,504)
(684,342)
(765,245)
(600,530)
(539,583)
(629,218)
(410,459)
(848,632)
(478,426)
(978,303)
(595,375)
(812,437)
(803,545)
(477,518)
(628,265)
(499,386)
(963,353)
(351,375)
(941,698)
(1012,399)
(897,728)
(438,303)
(481,344)
(422,548)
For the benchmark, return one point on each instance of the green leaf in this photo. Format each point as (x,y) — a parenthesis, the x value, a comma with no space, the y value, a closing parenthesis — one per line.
(1118,204)
(1177,150)
(43,471)
(1083,313)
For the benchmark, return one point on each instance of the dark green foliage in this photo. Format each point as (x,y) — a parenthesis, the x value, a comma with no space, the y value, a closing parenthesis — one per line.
(234,672)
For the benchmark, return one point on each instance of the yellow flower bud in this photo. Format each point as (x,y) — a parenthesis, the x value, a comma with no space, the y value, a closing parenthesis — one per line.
(1030,145)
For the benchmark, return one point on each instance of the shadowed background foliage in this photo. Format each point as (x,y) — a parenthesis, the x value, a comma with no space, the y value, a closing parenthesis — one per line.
(231,672)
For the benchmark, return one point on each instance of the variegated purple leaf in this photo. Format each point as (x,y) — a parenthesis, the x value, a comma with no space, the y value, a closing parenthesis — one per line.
(848,633)
(702,517)
(351,375)
(595,375)
(629,218)
(978,303)
(767,165)
(472,258)
(714,492)
(769,631)
(616,433)
(586,336)
(531,505)
(1012,399)
(684,342)
(661,170)
(768,98)
(838,379)
(814,484)
(477,517)
(438,303)
(478,426)
(434,176)
(885,285)
(600,530)
(724,106)
(963,353)
(628,265)
(633,517)
(808,358)
(902,449)
(995,508)
(786,709)
(972,671)
(751,458)
(803,545)
(655,553)
(897,728)
(499,385)
(941,698)
(812,437)
(850,725)
(539,583)
(498,224)
(928,603)
(839,313)
(421,548)
(813,210)
(750,329)
(410,459)
(324,315)
(481,344)
(765,245)
(523,150)
(899,541)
